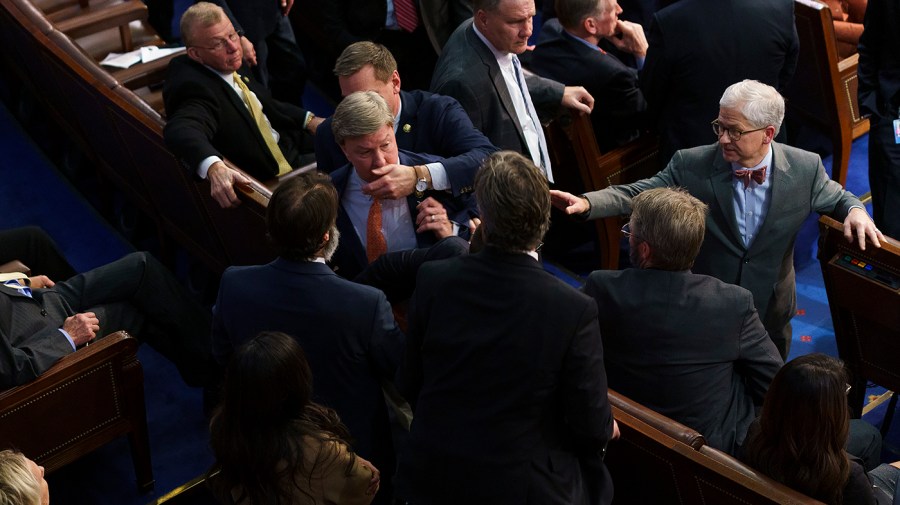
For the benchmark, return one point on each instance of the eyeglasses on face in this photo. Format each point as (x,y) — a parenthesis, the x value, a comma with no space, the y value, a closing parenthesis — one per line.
(626,230)
(220,43)
(733,133)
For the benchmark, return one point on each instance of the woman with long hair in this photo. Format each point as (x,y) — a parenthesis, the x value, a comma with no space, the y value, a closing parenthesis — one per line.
(801,435)
(21,480)
(272,444)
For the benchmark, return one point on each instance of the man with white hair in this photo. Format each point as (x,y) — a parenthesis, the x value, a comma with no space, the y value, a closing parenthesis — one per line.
(759,193)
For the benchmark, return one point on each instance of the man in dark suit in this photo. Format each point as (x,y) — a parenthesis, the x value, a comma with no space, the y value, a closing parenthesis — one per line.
(879,97)
(424,123)
(480,69)
(346,329)
(363,126)
(211,117)
(700,47)
(510,402)
(567,51)
(42,321)
(710,376)
(759,193)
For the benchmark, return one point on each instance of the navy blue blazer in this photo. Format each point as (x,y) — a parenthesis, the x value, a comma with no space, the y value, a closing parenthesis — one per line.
(347,331)
(429,123)
(350,258)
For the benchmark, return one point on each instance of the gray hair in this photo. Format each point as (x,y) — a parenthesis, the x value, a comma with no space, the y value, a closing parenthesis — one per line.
(760,103)
(360,113)
(199,14)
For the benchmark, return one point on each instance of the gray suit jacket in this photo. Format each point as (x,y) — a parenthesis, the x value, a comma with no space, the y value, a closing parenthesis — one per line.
(799,187)
(688,346)
(468,71)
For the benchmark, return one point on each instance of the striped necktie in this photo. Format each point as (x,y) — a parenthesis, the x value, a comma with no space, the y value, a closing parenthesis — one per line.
(407,16)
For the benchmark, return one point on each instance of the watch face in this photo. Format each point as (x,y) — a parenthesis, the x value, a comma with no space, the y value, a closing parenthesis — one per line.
(421,185)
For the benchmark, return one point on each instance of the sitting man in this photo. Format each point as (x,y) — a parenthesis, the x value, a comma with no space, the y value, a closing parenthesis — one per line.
(567,51)
(351,351)
(479,67)
(423,123)
(363,126)
(688,346)
(759,193)
(213,112)
(42,321)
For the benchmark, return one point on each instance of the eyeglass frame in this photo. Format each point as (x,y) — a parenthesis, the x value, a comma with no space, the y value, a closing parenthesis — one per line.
(733,134)
(626,230)
(221,42)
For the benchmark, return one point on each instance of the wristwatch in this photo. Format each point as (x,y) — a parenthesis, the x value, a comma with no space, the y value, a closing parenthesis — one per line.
(421,181)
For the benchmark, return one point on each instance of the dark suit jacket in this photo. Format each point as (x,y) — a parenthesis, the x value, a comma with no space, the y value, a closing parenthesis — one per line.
(468,71)
(799,186)
(510,402)
(688,346)
(879,61)
(700,47)
(563,57)
(437,125)
(207,118)
(347,331)
(350,258)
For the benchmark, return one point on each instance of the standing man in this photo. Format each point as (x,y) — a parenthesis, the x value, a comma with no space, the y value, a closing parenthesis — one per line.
(510,403)
(423,123)
(346,329)
(479,68)
(688,346)
(567,51)
(700,47)
(879,97)
(758,191)
(216,113)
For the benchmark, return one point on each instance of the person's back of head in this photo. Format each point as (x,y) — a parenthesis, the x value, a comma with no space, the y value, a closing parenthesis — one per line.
(514,202)
(803,427)
(571,13)
(672,223)
(257,433)
(18,483)
(301,217)
(359,54)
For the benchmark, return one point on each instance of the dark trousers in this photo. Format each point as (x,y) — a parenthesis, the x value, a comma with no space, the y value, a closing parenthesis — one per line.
(884,176)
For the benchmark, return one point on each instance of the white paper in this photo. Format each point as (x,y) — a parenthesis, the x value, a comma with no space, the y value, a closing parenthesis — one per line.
(151,53)
(122,60)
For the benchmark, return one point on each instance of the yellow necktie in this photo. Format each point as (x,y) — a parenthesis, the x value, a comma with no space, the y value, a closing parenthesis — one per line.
(264,129)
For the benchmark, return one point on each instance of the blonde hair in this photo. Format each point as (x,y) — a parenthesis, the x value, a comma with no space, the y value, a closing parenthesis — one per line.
(17,484)
(199,14)
(360,113)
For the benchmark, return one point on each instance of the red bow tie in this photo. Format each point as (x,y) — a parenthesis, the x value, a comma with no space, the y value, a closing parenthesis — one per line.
(744,175)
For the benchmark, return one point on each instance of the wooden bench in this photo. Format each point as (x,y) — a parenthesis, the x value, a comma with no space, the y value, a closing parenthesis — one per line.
(659,461)
(822,93)
(863,289)
(582,167)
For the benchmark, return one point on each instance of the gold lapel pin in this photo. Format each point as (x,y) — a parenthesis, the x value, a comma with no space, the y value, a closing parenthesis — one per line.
(407,128)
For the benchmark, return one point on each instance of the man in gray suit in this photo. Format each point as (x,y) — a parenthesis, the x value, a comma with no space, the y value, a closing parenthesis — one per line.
(711,377)
(479,68)
(759,193)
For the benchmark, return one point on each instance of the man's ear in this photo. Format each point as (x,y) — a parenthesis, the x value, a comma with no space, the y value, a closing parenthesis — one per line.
(589,25)
(644,252)
(194,54)
(395,82)
(770,134)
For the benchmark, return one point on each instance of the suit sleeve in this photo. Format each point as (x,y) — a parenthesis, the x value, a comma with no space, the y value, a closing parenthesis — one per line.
(870,47)
(386,346)
(829,197)
(192,123)
(463,146)
(584,387)
(546,94)
(616,200)
(24,363)
(758,360)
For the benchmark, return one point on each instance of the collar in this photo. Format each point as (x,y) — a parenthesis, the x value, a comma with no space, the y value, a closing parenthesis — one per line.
(497,54)
(595,47)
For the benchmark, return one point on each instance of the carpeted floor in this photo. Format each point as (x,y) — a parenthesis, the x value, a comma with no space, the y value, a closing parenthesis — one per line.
(35,192)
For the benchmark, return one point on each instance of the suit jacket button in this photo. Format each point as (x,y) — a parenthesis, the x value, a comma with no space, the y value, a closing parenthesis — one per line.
(43,312)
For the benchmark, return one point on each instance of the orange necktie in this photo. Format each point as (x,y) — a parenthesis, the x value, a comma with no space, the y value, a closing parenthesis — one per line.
(376,245)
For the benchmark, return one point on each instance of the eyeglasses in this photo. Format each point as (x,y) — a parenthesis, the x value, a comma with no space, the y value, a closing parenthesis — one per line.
(733,133)
(847,392)
(220,43)
(626,230)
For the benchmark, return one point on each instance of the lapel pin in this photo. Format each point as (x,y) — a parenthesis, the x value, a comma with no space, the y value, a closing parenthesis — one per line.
(407,128)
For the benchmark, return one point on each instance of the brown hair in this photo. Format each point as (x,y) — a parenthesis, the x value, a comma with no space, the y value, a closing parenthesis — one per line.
(673,222)
(359,54)
(302,209)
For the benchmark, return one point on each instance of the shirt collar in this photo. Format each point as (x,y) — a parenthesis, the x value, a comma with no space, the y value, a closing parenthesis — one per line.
(501,57)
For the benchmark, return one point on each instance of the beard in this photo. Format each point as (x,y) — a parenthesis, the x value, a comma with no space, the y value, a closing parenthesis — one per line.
(332,245)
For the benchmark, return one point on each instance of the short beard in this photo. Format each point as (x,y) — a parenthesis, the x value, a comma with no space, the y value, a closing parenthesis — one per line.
(332,245)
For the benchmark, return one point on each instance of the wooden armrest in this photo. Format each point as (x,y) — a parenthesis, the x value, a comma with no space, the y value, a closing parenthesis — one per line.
(14,266)
(674,429)
(72,365)
(97,18)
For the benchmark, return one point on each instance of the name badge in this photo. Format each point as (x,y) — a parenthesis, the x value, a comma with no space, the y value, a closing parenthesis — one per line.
(897,131)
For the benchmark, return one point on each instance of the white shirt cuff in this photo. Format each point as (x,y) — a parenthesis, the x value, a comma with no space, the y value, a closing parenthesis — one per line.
(71,342)
(203,169)
(439,179)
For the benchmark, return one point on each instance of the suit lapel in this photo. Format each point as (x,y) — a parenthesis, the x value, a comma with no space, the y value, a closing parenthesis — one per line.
(721,181)
(406,138)
(782,192)
(349,241)
(488,60)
